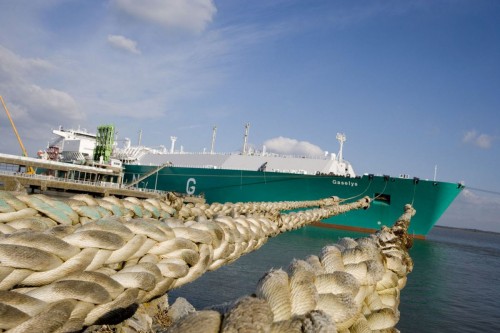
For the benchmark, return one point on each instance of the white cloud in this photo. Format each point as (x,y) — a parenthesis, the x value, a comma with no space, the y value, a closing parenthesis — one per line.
(481,197)
(192,15)
(34,105)
(471,197)
(12,65)
(282,145)
(51,102)
(469,136)
(473,209)
(123,43)
(17,81)
(482,140)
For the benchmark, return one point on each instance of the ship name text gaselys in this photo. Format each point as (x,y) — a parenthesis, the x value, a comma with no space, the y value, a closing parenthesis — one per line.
(344,183)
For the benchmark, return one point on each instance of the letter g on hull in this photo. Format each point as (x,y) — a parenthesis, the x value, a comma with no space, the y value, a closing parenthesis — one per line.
(190,186)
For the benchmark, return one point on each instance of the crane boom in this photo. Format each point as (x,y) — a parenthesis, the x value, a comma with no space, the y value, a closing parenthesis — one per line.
(14,127)
(30,170)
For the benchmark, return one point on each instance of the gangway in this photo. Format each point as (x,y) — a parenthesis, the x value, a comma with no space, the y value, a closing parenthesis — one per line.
(146,175)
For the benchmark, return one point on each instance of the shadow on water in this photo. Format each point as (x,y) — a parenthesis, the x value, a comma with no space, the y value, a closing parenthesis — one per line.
(454,286)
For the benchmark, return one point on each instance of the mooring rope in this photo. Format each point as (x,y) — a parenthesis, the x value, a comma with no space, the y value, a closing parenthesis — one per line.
(359,194)
(352,286)
(65,265)
(381,192)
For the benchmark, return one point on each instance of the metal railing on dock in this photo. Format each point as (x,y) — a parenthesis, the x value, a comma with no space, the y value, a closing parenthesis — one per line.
(47,182)
(57,176)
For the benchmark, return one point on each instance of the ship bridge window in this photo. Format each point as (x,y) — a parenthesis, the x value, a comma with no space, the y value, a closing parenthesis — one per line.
(382,198)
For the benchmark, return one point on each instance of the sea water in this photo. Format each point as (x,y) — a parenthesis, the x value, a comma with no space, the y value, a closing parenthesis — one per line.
(454,286)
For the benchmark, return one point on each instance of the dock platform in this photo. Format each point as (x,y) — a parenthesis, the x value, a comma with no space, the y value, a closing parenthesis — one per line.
(65,177)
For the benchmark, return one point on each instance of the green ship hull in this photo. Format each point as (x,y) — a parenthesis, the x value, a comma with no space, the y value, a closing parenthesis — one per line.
(389,194)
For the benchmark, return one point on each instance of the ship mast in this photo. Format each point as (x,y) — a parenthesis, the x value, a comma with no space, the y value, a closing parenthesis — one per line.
(214,132)
(342,139)
(245,138)
(172,146)
(140,137)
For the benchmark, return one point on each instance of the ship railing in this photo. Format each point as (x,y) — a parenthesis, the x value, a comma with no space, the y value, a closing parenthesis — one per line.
(148,190)
(66,180)
(258,153)
(78,181)
(54,164)
(294,171)
(197,166)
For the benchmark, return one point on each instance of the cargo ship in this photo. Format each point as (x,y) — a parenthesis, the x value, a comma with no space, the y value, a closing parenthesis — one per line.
(258,175)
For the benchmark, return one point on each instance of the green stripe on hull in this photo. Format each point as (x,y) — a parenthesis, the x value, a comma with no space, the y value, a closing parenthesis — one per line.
(430,198)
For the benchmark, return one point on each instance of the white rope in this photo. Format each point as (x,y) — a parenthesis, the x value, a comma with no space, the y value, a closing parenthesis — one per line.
(352,286)
(95,267)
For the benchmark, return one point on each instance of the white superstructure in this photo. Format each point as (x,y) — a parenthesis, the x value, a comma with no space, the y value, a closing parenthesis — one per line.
(74,144)
(82,142)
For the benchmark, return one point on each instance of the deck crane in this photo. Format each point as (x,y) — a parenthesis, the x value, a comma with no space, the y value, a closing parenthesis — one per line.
(28,169)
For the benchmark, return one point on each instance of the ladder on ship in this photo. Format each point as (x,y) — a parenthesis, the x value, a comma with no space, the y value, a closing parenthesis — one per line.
(146,175)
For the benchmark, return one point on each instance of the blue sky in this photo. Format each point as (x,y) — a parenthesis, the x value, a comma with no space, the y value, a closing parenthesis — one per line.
(412,84)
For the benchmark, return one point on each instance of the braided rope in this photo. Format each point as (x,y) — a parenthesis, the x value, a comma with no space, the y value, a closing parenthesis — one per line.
(65,265)
(352,286)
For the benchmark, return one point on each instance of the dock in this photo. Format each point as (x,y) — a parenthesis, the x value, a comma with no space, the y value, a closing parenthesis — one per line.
(52,176)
